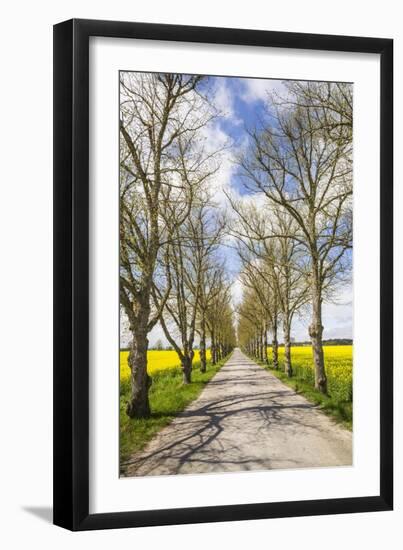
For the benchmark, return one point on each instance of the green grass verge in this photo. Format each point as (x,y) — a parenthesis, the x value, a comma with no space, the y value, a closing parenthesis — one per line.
(340,411)
(168,397)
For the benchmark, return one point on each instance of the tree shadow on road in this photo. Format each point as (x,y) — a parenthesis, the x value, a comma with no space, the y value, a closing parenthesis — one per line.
(194,434)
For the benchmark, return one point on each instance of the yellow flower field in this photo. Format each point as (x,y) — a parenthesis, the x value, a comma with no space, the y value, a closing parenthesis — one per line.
(338,361)
(339,368)
(157,360)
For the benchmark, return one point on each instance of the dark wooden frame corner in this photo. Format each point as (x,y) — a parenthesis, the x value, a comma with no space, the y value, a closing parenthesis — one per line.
(71,274)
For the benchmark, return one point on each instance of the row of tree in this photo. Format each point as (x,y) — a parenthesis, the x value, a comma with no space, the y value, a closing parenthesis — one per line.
(292,229)
(170,228)
(294,244)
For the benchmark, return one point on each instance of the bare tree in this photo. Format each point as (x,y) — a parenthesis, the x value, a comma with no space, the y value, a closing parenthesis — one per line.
(195,279)
(188,257)
(209,291)
(205,230)
(226,332)
(219,320)
(273,265)
(251,323)
(259,305)
(306,171)
(161,116)
(178,318)
(286,261)
(331,105)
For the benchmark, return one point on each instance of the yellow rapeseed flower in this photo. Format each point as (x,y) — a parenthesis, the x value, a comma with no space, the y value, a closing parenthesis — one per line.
(157,360)
(338,364)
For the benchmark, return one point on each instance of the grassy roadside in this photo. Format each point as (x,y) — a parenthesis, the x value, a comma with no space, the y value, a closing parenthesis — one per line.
(341,411)
(168,397)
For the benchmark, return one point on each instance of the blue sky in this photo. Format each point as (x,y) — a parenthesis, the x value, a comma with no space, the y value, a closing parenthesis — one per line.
(241,103)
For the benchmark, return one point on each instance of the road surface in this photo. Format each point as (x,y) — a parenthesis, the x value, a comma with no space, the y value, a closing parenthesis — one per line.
(244,419)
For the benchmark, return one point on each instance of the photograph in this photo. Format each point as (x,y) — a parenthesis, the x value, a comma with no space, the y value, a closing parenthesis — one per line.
(235,274)
(201,275)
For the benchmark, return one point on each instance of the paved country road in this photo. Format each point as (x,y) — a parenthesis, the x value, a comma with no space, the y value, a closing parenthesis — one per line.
(244,419)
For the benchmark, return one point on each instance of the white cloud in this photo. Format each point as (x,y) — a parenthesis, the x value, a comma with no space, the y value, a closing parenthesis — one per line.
(255,89)
(337,318)
(224,101)
(154,335)
(236,291)
(217,140)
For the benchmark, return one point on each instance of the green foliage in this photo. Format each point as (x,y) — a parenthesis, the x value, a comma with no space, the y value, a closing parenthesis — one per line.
(337,404)
(168,397)
(341,411)
(339,369)
(339,383)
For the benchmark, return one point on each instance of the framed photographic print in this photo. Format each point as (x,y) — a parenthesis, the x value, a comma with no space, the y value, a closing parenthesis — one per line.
(223,274)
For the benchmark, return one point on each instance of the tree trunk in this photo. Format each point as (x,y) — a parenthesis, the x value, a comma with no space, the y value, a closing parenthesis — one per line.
(287,347)
(265,344)
(274,346)
(203,362)
(315,332)
(186,364)
(213,349)
(139,405)
(218,349)
(262,354)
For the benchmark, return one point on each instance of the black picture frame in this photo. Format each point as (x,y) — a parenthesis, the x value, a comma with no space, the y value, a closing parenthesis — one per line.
(71,274)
